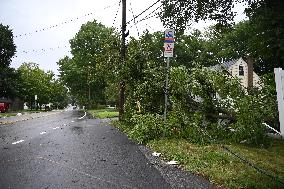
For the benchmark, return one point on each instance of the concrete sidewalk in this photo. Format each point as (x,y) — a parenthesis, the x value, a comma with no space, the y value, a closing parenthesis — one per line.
(25,117)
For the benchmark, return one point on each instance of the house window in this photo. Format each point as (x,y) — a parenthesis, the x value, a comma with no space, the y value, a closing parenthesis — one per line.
(241,70)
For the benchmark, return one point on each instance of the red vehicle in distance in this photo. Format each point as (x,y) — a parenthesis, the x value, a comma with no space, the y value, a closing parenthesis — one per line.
(4,107)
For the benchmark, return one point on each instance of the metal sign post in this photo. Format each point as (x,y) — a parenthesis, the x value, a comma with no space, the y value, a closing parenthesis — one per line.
(168,52)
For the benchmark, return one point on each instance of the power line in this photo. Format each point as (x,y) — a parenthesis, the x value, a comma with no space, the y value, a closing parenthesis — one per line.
(144,19)
(143,12)
(148,16)
(41,50)
(135,23)
(60,24)
(245,161)
(262,171)
(116,14)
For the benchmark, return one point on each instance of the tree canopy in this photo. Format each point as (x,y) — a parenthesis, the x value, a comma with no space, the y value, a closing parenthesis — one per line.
(180,14)
(35,81)
(95,51)
(8,76)
(261,37)
(7,46)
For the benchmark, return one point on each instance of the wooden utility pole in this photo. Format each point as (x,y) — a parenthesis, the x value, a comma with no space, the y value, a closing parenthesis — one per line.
(250,74)
(123,51)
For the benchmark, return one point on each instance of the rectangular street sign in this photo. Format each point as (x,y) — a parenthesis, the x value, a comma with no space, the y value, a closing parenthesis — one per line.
(169,50)
(169,43)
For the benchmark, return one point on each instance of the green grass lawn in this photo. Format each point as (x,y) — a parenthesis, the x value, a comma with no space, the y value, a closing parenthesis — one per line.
(104,113)
(222,168)
(219,166)
(7,114)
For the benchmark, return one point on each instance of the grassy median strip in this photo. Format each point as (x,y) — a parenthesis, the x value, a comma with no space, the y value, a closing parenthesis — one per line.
(221,167)
(104,113)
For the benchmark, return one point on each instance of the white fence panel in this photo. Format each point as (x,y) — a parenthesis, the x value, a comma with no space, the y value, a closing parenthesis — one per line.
(279,80)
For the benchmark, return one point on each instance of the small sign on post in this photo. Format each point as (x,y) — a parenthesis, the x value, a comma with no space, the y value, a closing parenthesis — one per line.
(169,43)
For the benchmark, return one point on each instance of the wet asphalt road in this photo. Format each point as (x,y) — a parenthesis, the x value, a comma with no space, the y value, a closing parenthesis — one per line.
(61,151)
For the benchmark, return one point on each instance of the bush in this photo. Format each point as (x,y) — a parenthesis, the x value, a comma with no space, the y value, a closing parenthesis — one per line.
(249,128)
(190,126)
(199,99)
(147,127)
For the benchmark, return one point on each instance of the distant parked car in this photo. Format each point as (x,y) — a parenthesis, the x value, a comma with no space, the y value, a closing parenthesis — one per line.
(4,107)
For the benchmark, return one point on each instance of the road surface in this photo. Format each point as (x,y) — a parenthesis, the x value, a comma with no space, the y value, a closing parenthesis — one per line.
(58,150)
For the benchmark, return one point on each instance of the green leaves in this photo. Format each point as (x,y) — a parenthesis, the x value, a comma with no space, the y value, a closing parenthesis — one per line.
(8,76)
(7,46)
(179,14)
(34,81)
(93,65)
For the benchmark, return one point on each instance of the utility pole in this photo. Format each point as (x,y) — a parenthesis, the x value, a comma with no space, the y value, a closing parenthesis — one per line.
(123,51)
(250,74)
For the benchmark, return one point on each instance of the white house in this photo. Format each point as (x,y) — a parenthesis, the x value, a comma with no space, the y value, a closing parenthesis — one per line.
(239,69)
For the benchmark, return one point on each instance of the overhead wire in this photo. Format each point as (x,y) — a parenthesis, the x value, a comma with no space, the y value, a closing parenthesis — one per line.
(40,50)
(244,160)
(71,20)
(59,24)
(148,16)
(135,23)
(143,12)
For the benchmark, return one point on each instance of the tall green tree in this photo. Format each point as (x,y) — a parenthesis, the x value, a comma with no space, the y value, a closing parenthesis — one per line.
(267,20)
(262,37)
(180,14)
(8,76)
(35,81)
(59,95)
(243,39)
(7,46)
(9,83)
(95,53)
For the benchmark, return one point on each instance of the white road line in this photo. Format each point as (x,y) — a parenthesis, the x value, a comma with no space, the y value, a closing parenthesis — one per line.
(42,133)
(56,128)
(19,141)
(83,116)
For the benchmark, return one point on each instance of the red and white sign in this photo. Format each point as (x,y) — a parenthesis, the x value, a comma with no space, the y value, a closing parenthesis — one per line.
(169,43)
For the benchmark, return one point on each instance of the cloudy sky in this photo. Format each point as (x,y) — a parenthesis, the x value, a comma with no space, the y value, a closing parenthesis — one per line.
(42,36)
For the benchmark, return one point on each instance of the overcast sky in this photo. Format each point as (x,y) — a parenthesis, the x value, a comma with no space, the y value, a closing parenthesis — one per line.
(47,46)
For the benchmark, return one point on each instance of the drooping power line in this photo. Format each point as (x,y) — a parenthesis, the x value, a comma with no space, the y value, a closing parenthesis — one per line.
(59,24)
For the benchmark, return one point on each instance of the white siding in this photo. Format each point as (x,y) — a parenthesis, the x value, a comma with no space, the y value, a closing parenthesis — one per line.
(234,70)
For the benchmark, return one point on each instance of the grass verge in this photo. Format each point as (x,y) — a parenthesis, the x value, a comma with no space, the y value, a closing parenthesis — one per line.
(104,113)
(7,114)
(220,167)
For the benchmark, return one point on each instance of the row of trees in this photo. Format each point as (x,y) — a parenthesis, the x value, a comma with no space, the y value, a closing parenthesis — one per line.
(35,81)
(28,80)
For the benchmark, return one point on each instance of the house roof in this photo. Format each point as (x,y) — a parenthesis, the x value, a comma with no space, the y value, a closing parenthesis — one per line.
(225,65)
